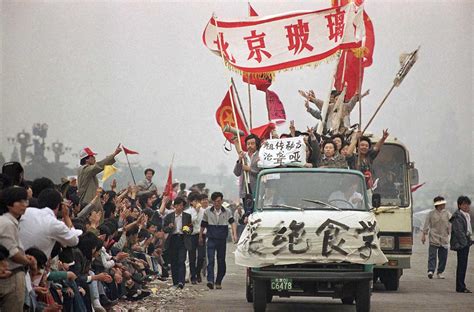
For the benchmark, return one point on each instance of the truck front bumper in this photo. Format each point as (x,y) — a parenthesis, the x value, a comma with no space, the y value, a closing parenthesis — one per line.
(313,276)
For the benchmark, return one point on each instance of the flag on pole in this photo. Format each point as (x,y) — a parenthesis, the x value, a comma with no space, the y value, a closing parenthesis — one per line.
(276,111)
(350,70)
(252,12)
(225,116)
(169,184)
(415,187)
(128,151)
(263,132)
(109,170)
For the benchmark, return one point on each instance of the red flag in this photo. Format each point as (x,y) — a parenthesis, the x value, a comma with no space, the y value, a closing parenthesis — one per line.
(350,69)
(276,111)
(224,116)
(414,188)
(128,151)
(169,184)
(263,132)
(252,12)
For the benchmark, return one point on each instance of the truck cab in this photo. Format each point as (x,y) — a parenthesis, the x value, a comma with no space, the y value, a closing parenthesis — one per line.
(312,233)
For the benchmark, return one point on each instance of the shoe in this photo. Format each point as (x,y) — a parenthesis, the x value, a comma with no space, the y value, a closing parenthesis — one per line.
(199,279)
(106,302)
(466,291)
(193,282)
(218,286)
(440,276)
(98,308)
(210,285)
(430,275)
(180,286)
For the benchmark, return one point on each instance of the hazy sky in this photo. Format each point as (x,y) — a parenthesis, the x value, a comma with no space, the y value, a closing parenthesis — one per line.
(135,72)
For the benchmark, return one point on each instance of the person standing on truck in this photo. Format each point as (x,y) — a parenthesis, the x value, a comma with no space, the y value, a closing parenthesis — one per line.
(364,159)
(438,226)
(461,241)
(247,163)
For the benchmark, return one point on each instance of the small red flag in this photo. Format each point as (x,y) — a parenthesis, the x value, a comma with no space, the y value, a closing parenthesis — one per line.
(128,151)
(414,188)
(263,132)
(276,111)
(169,184)
(252,12)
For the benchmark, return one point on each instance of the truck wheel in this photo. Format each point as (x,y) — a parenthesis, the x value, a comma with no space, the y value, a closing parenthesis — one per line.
(391,279)
(259,296)
(363,296)
(249,288)
(347,300)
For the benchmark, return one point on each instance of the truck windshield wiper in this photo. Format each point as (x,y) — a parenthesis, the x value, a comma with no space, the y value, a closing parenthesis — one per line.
(315,201)
(283,206)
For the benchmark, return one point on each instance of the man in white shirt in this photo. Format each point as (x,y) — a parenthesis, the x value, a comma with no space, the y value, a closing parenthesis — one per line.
(195,261)
(40,227)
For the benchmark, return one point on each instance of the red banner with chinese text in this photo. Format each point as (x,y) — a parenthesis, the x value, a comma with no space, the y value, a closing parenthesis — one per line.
(268,44)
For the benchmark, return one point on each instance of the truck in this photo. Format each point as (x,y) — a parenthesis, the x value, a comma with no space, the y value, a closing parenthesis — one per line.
(312,233)
(395,174)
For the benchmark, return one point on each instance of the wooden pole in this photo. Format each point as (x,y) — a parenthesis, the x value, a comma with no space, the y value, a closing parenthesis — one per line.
(250,100)
(240,104)
(379,107)
(130,167)
(324,111)
(238,146)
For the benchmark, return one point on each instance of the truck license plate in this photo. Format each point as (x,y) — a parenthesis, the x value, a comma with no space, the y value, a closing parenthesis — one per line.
(281,284)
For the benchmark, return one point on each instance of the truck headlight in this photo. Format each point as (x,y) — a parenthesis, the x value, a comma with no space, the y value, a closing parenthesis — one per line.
(387,242)
(405,242)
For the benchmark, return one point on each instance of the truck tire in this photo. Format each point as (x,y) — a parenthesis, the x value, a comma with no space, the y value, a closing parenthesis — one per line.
(259,296)
(363,296)
(391,279)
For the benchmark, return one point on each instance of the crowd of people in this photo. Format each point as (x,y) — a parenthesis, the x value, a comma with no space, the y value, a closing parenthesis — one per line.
(78,247)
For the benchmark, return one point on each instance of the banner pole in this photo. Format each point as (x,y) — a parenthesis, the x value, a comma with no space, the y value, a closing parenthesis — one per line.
(238,146)
(250,99)
(130,167)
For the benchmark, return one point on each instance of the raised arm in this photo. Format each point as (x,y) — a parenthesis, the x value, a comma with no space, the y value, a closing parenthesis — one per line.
(380,143)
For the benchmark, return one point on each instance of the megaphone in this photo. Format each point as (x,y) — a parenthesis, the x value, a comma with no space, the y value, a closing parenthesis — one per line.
(229,129)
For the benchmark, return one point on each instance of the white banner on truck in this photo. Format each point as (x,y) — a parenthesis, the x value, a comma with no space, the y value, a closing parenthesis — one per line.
(283,152)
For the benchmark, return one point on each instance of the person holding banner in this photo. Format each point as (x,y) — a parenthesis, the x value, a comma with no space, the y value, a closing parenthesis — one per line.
(247,164)
(87,182)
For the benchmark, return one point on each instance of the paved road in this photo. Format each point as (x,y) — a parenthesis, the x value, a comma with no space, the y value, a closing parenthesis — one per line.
(416,293)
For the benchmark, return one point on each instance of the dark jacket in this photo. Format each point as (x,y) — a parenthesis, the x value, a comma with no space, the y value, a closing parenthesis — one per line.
(459,235)
(186,221)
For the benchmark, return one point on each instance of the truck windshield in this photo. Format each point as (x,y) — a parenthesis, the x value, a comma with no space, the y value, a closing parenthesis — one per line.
(390,168)
(311,190)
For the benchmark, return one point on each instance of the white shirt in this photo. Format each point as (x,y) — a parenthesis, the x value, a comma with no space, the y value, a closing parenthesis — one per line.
(468,220)
(196,218)
(178,224)
(41,229)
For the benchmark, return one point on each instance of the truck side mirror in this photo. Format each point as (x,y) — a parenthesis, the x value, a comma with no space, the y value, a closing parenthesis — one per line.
(376,200)
(413,174)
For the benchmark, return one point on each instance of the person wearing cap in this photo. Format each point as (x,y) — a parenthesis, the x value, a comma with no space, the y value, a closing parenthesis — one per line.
(40,227)
(438,226)
(87,174)
(461,240)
